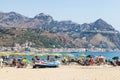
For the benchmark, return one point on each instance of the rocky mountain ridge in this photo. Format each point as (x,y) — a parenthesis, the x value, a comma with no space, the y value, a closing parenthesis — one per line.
(98,34)
(13,19)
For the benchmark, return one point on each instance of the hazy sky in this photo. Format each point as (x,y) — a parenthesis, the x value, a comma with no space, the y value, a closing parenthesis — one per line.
(80,11)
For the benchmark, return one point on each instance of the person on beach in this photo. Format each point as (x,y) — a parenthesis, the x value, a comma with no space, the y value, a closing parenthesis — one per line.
(48,57)
(91,61)
(1,62)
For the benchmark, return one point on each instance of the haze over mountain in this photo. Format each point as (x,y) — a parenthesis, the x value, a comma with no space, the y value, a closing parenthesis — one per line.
(98,34)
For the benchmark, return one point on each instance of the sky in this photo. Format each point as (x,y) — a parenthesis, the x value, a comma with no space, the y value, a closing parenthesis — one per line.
(79,11)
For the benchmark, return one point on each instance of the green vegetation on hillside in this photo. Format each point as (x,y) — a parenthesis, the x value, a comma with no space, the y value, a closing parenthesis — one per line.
(9,36)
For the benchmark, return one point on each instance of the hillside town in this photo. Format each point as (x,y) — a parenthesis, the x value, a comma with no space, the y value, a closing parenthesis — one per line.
(29,46)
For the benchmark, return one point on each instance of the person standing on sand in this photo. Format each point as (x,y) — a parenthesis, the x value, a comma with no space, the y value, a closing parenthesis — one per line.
(1,62)
(91,61)
(48,57)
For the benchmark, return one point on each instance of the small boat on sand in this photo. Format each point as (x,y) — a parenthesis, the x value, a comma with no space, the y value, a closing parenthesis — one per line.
(44,64)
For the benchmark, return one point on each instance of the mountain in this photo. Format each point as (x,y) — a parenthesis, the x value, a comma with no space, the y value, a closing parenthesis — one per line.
(12,19)
(99,24)
(44,31)
(39,21)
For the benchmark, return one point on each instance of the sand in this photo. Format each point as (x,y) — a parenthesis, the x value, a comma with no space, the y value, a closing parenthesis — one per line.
(71,72)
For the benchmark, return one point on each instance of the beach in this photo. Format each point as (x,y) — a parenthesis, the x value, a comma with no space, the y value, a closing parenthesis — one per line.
(63,72)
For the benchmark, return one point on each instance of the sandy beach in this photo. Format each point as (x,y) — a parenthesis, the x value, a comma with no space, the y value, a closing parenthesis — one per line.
(71,72)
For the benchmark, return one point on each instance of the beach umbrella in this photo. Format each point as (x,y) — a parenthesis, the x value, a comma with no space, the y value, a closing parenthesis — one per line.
(68,55)
(27,61)
(115,58)
(82,55)
(24,60)
(90,56)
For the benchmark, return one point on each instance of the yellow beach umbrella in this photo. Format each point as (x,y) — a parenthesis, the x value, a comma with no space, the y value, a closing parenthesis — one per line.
(24,60)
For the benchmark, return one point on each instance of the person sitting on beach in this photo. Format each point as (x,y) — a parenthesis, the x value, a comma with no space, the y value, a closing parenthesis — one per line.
(68,60)
(56,57)
(80,62)
(64,61)
(48,57)
(18,64)
(36,59)
(1,62)
(86,63)
(13,62)
(91,61)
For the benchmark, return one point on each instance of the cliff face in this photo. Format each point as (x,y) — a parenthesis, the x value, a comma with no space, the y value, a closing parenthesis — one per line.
(44,31)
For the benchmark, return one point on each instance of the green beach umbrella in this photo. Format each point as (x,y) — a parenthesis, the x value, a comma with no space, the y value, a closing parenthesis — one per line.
(27,61)
(68,55)
(82,55)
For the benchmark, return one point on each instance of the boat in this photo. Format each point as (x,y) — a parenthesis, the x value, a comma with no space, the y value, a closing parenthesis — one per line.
(44,64)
